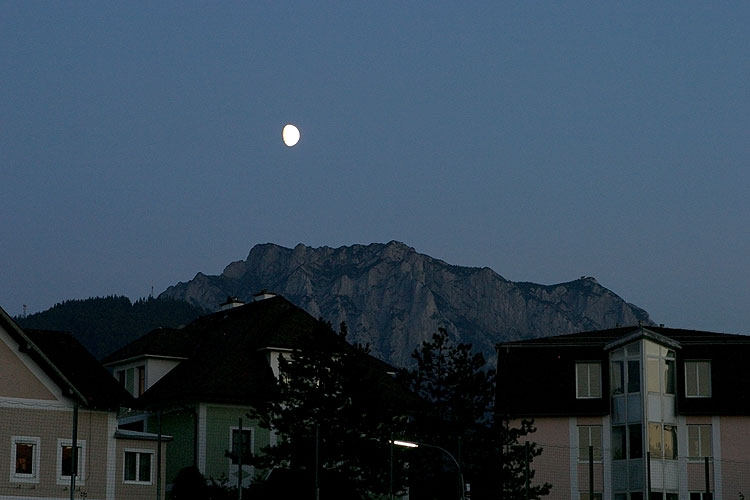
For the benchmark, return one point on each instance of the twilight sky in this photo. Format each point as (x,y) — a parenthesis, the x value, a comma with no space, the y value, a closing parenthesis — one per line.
(140,143)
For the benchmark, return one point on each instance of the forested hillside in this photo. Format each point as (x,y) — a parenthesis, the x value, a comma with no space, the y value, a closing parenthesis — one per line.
(103,324)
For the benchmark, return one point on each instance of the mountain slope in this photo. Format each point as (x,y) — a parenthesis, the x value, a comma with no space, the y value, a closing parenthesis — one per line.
(104,324)
(393,298)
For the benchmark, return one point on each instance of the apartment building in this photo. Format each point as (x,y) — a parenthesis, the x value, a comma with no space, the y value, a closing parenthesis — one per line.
(664,413)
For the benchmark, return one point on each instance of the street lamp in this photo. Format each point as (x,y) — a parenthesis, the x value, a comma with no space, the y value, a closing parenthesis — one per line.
(415,444)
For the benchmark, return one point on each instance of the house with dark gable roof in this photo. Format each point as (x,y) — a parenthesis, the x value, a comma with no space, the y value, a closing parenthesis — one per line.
(58,423)
(200,382)
(634,413)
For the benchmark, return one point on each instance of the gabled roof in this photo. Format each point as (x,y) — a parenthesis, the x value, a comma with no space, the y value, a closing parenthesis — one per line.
(228,360)
(273,322)
(536,377)
(162,342)
(78,374)
(603,338)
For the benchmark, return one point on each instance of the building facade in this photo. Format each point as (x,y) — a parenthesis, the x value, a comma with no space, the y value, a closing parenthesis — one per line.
(634,413)
(199,384)
(59,436)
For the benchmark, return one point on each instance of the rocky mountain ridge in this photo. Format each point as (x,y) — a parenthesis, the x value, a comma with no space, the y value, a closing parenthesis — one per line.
(393,297)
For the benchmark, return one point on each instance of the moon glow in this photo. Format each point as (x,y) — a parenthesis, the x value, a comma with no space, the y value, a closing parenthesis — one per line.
(290,135)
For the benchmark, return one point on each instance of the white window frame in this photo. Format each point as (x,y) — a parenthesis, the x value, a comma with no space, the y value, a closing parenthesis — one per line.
(81,476)
(139,452)
(700,441)
(588,365)
(583,454)
(36,454)
(251,444)
(694,363)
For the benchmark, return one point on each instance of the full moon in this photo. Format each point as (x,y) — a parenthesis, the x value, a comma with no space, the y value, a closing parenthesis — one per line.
(290,134)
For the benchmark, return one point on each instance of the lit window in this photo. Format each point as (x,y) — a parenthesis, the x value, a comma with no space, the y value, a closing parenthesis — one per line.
(660,369)
(662,441)
(137,467)
(655,445)
(25,454)
(698,379)
(699,441)
(589,435)
(588,380)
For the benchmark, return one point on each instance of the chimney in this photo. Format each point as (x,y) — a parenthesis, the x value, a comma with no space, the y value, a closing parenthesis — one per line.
(263,295)
(231,303)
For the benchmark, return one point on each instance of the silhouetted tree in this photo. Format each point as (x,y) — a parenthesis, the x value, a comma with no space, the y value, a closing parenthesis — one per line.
(331,415)
(459,417)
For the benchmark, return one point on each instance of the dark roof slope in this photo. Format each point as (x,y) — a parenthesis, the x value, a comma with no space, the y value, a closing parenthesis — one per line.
(167,342)
(604,337)
(80,367)
(70,365)
(536,377)
(229,360)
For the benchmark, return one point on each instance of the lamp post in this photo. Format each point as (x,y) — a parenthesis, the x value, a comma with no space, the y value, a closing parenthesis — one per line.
(415,444)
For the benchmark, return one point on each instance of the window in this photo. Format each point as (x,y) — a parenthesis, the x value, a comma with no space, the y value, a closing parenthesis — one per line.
(65,461)
(660,371)
(635,441)
(619,446)
(617,378)
(700,495)
(627,442)
(662,441)
(587,496)
(636,495)
(699,441)
(25,454)
(658,495)
(589,435)
(244,447)
(141,379)
(137,467)
(655,446)
(634,376)
(670,442)
(669,382)
(698,379)
(588,380)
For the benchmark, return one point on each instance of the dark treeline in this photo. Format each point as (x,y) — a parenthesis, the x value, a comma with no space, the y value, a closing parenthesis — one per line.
(104,324)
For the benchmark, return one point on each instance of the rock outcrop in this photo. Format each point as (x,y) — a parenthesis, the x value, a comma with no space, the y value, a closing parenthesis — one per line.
(393,298)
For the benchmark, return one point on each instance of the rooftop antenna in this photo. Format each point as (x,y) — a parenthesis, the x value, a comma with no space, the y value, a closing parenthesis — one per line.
(24,310)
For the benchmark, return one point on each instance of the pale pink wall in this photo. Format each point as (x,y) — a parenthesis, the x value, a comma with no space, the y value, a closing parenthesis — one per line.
(735,456)
(139,491)
(553,465)
(49,424)
(17,381)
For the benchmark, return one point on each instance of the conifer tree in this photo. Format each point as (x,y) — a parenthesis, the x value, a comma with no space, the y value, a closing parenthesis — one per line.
(459,418)
(332,421)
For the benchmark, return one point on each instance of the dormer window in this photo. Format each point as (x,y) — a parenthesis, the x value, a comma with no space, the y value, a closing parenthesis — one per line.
(588,380)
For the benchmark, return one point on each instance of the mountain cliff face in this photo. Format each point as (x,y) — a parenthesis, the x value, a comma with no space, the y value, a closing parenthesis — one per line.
(393,298)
